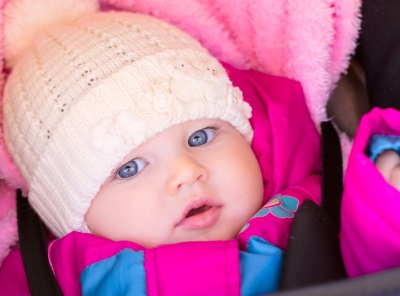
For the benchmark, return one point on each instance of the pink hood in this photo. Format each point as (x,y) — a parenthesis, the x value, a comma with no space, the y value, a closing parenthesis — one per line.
(286,142)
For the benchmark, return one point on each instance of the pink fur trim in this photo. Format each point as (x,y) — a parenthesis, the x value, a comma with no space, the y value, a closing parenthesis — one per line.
(269,40)
(8,219)
(309,41)
(347,22)
(8,170)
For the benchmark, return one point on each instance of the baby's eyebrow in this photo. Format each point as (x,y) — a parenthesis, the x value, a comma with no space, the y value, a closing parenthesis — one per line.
(215,121)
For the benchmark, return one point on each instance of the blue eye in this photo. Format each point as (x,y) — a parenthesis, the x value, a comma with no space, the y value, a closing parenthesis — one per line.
(201,137)
(130,169)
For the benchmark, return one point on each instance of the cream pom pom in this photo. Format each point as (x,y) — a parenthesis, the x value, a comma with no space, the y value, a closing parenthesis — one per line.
(23,19)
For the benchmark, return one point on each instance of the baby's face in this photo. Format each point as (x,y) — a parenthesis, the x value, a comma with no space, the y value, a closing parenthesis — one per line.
(194,181)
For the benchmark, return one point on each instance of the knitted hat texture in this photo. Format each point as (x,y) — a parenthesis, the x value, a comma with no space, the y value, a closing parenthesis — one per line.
(89,92)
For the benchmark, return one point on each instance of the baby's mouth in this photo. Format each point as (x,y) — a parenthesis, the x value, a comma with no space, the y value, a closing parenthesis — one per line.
(200,213)
(197,211)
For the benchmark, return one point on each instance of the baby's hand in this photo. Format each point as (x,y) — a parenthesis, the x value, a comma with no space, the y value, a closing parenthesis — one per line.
(388,164)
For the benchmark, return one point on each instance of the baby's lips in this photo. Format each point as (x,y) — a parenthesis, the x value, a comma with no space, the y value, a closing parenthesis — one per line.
(199,213)
(201,219)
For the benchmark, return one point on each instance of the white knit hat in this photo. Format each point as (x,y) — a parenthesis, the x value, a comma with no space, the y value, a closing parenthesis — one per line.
(89,92)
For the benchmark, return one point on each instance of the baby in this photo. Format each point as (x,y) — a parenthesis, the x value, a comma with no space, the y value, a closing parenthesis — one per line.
(140,157)
(89,117)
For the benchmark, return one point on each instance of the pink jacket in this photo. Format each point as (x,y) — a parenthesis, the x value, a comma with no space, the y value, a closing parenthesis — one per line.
(286,144)
(370,236)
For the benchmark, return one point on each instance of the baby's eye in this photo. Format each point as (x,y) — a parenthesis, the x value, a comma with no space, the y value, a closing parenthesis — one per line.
(131,168)
(202,137)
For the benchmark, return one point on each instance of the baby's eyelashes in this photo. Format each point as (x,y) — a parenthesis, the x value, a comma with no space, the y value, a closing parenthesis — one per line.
(202,136)
(130,169)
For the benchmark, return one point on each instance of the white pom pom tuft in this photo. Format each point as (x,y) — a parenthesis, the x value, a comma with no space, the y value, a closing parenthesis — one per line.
(23,19)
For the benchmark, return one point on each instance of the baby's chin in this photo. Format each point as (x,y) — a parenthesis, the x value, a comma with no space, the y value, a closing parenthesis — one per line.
(206,237)
(190,236)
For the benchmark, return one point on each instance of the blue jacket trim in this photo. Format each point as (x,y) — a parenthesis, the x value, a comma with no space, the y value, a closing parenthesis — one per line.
(121,274)
(260,267)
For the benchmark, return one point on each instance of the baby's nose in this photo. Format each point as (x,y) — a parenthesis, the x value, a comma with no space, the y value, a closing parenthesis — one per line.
(185,171)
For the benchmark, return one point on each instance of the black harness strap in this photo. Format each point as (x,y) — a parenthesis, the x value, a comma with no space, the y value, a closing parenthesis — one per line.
(32,241)
(332,173)
(313,255)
